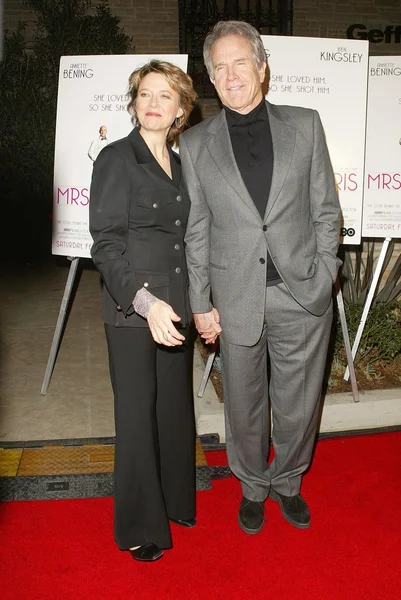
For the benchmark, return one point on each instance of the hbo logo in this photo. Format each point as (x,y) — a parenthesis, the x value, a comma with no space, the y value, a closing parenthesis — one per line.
(349,232)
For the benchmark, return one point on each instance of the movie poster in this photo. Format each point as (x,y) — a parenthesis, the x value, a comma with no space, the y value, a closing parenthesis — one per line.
(91,113)
(330,76)
(382,198)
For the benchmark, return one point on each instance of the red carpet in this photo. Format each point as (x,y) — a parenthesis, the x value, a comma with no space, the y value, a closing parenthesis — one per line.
(64,549)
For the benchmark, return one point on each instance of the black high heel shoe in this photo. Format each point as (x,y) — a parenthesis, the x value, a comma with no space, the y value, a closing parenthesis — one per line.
(147,553)
(184,522)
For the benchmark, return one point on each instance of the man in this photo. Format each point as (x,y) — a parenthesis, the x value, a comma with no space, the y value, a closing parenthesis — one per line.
(261,244)
(98,144)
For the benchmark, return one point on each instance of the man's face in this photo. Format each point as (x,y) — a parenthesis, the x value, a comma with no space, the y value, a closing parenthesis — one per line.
(103,131)
(237,78)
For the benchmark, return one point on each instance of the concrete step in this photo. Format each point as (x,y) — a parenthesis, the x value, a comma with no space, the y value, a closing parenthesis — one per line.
(376,409)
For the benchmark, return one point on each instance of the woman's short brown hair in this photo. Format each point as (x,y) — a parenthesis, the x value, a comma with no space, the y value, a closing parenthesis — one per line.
(179,81)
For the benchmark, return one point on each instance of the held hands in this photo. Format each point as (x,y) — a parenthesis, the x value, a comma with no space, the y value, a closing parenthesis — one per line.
(160,321)
(208,326)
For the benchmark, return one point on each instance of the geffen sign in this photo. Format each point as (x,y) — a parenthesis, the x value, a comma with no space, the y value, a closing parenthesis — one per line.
(390,35)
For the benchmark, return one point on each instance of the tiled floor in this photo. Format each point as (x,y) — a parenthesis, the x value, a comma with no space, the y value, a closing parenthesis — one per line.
(79,402)
(37,432)
(77,469)
(65,460)
(60,445)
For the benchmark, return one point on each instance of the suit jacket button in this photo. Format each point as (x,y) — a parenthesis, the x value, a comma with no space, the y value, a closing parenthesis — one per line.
(146,284)
(264,227)
(155,205)
(262,261)
(178,198)
(178,270)
(177,247)
(178,222)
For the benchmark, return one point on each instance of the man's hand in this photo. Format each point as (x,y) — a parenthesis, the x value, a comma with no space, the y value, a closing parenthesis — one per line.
(208,326)
(160,321)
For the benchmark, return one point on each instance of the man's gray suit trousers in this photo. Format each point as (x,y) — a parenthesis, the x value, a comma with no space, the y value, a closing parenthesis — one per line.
(296,342)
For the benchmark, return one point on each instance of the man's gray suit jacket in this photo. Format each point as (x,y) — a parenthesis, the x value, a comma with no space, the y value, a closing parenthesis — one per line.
(227,240)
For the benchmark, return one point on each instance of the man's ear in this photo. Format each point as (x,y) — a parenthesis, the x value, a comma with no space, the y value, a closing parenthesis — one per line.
(212,80)
(262,71)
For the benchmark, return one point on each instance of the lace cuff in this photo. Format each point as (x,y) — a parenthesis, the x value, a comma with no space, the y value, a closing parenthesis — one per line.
(143,301)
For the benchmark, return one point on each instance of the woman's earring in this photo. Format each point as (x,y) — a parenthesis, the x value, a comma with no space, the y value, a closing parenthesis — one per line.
(179,122)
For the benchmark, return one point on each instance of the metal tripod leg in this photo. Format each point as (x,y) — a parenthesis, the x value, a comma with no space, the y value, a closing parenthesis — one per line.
(59,325)
(206,374)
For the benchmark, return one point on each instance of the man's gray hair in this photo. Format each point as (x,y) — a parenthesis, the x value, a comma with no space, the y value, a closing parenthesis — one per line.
(225,28)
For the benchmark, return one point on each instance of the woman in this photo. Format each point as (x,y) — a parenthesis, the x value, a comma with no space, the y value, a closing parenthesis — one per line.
(138,212)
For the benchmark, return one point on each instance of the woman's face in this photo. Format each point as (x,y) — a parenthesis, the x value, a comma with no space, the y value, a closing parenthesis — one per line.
(157,105)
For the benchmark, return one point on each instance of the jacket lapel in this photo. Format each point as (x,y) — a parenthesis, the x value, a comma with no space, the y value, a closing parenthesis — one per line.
(147,161)
(283,137)
(220,148)
(175,163)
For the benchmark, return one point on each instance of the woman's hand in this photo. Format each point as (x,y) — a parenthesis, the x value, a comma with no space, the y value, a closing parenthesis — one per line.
(160,321)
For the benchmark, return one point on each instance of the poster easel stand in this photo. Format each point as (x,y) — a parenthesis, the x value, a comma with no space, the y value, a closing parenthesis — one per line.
(206,373)
(347,344)
(60,324)
(368,303)
(341,312)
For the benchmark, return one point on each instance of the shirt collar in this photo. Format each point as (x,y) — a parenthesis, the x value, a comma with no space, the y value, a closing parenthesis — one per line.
(236,119)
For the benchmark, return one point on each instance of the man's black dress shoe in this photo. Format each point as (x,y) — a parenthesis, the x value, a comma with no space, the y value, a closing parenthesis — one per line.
(251,516)
(293,508)
(184,522)
(147,553)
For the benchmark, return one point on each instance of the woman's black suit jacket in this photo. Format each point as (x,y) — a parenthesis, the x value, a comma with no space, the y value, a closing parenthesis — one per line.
(137,218)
